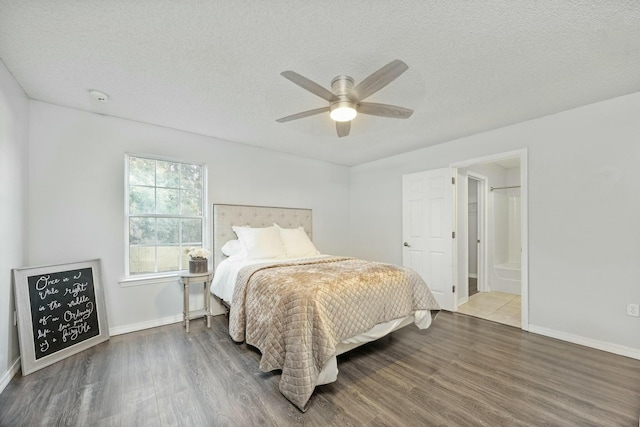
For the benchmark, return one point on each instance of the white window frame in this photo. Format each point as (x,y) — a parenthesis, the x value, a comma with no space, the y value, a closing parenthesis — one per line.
(144,278)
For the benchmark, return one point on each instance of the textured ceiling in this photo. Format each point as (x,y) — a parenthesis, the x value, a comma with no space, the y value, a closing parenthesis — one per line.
(213,67)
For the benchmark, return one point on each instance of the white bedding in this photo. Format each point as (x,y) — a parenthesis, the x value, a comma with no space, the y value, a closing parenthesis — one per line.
(224,282)
(224,279)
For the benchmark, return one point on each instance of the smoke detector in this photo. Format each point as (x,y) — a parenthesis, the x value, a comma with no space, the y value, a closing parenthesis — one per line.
(99,96)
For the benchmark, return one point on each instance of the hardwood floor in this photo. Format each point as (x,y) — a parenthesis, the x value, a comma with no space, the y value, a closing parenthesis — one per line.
(462,371)
(473,286)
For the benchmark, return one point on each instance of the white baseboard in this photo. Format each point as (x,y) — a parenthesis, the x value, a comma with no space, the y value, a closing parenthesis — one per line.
(216,310)
(119,330)
(6,378)
(622,350)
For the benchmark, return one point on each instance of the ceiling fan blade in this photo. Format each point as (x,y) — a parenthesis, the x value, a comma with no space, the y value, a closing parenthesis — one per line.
(384,110)
(379,79)
(303,114)
(309,85)
(343,128)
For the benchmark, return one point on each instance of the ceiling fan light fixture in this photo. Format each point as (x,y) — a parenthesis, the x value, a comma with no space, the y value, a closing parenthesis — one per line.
(345,99)
(343,111)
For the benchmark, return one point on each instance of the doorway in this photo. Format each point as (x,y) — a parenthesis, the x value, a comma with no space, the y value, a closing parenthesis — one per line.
(476,231)
(492,225)
(472,235)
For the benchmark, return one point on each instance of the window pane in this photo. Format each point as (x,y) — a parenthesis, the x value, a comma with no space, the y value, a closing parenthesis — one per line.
(191,176)
(167,174)
(142,230)
(142,259)
(166,213)
(168,230)
(142,200)
(168,258)
(191,232)
(142,171)
(191,203)
(167,201)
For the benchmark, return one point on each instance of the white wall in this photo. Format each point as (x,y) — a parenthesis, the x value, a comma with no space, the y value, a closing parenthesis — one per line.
(14,119)
(504,216)
(76,199)
(514,241)
(583,206)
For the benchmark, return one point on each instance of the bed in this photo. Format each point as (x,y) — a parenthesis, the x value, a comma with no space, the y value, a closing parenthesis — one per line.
(299,307)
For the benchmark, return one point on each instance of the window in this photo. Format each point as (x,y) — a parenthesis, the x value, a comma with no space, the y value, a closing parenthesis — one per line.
(164,213)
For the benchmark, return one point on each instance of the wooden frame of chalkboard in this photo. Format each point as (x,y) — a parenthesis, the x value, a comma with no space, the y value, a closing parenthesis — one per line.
(61,312)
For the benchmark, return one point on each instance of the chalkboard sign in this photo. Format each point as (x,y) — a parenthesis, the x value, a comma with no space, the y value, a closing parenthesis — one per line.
(61,312)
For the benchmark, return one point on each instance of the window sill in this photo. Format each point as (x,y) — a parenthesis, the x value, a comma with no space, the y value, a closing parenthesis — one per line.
(148,280)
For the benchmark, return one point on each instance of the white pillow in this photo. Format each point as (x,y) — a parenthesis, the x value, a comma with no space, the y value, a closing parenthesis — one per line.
(296,242)
(258,243)
(231,248)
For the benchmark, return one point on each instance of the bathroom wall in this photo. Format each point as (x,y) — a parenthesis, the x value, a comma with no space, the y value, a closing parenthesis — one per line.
(504,271)
(514,239)
(506,219)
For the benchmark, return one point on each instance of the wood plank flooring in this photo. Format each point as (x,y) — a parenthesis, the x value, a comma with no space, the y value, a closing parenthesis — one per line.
(463,371)
(473,286)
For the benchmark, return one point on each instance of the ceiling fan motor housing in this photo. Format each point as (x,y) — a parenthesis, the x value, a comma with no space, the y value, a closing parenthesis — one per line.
(342,86)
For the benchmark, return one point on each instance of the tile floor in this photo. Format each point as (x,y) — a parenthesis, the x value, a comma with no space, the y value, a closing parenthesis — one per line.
(498,307)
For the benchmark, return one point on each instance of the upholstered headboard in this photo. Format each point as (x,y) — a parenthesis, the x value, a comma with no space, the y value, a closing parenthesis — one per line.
(226,216)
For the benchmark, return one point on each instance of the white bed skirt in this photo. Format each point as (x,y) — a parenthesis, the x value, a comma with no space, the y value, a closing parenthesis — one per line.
(329,373)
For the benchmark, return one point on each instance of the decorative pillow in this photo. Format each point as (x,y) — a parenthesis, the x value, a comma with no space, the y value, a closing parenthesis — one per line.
(258,243)
(231,248)
(296,242)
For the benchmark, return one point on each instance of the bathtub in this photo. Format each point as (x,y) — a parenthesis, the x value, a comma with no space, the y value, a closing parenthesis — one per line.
(506,278)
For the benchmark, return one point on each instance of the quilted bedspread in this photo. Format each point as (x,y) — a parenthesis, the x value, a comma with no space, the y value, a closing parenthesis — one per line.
(296,312)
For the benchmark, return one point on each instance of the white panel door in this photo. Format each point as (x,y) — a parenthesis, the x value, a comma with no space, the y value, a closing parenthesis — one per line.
(427,226)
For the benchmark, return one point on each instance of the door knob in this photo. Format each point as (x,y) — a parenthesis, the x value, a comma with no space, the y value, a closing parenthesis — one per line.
(407,245)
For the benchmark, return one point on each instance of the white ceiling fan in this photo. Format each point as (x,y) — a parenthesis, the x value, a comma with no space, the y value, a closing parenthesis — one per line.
(345,100)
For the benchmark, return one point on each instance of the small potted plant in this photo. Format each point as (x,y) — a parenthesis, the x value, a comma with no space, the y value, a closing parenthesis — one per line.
(198,259)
